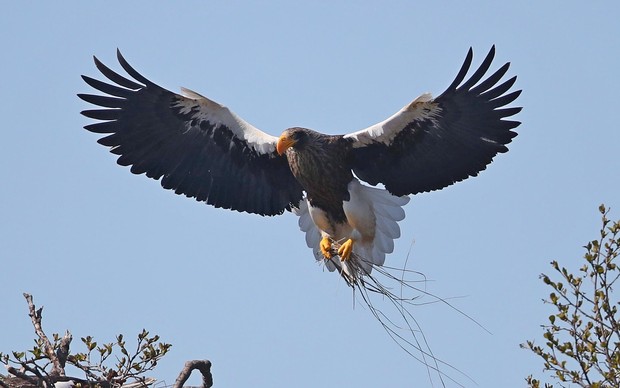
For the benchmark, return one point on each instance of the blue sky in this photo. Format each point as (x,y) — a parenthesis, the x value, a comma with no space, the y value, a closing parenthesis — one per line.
(107,252)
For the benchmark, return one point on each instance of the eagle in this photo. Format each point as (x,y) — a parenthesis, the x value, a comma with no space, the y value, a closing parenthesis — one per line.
(201,149)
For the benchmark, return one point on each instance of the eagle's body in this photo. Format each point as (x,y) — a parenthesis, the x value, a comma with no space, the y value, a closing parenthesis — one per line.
(336,203)
(201,149)
(315,155)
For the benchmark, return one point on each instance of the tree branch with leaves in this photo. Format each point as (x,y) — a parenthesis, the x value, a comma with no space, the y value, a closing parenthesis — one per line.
(582,339)
(44,365)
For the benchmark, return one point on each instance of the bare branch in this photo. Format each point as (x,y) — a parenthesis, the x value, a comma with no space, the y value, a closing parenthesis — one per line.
(35,370)
(87,371)
(35,316)
(204,366)
(26,378)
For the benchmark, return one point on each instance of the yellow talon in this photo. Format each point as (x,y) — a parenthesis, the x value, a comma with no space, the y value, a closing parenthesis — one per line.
(326,247)
(345,250)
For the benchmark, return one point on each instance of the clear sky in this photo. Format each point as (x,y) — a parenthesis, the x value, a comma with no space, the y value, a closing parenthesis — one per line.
(107,252)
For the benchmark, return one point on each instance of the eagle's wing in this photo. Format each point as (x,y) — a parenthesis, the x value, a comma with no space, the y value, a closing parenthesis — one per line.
(434,142)
(196,146)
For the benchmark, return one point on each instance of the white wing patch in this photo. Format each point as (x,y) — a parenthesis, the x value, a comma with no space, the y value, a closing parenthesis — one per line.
(422,108)
(216,113)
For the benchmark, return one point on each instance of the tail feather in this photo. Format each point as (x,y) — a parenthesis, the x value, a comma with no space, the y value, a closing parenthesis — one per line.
(387,210)
(313,234)
(383,242)
(388,227)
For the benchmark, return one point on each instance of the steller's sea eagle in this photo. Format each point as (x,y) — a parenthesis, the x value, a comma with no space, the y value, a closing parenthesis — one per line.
(201,149)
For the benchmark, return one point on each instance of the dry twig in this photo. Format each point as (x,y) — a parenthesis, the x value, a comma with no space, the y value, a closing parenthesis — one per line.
(35,316)
(204,366)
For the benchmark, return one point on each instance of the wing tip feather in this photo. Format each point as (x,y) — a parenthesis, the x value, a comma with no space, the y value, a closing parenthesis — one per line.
(130,70)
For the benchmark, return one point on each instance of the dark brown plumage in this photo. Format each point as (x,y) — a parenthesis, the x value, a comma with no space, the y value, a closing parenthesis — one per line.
(321,164)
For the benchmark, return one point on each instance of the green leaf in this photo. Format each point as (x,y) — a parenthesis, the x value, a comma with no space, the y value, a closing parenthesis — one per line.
(553,297)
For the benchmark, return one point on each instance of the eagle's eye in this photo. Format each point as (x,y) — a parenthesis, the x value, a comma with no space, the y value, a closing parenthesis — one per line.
(300,138)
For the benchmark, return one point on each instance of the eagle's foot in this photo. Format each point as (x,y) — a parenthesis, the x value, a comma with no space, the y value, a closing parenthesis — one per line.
(345,250)
(326,247)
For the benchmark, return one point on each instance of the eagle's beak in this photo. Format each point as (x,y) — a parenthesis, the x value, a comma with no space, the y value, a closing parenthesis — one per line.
(284,143)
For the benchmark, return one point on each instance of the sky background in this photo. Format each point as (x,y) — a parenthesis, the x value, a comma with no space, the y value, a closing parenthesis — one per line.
(108,252)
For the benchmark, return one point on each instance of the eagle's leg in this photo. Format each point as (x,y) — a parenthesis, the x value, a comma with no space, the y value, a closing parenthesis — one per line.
(345,250)
(326,247)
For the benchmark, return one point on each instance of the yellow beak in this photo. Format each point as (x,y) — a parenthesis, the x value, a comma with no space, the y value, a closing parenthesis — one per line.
(284,143)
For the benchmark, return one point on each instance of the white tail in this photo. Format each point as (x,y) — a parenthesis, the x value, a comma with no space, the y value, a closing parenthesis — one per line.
(386,212)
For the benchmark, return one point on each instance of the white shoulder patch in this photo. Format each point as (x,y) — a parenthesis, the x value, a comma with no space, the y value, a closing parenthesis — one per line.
(218,114)
(422,108)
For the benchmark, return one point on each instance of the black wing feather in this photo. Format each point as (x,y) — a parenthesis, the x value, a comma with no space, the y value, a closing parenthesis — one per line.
(115,77)
(479,73)
(431,144)
(104,101)
(107,88)
(180,141)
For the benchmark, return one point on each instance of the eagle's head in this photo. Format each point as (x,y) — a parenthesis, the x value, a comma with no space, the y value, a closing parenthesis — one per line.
(300,139)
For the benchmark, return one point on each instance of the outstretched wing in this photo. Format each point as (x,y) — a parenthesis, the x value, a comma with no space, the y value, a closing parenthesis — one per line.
(435,142)
(196,146)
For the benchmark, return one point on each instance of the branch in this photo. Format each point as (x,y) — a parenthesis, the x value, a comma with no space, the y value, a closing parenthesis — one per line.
(63,349)
(18,375)
(35,316)
(204,366)
(36,370)
(87,371)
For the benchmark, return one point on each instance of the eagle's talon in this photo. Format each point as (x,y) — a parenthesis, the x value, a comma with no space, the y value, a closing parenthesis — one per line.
(345,250)
(326,247)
